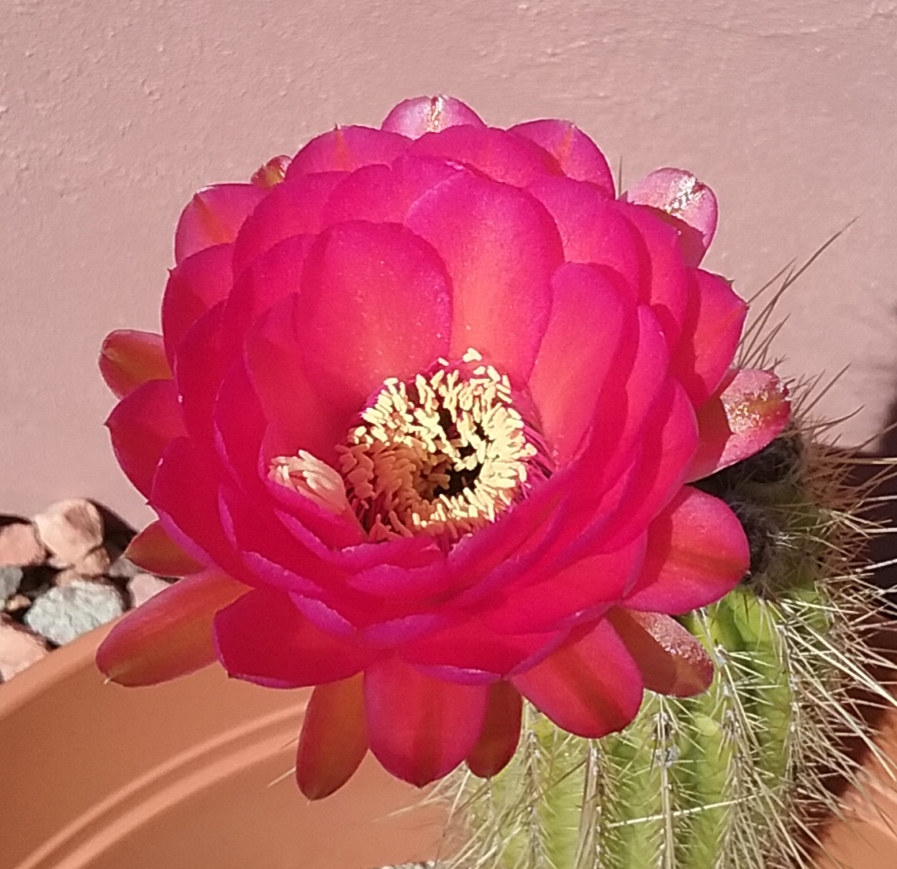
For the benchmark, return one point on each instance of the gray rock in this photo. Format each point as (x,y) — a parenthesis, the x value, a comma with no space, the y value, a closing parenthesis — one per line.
(64,613)
(10,577)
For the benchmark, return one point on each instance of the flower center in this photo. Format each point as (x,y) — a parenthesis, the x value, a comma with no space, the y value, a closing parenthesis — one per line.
(442,455)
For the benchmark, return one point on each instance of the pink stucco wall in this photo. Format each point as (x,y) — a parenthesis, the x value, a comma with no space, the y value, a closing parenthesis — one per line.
(113,111)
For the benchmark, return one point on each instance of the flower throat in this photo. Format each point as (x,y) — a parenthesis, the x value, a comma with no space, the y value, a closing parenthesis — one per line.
(442,455)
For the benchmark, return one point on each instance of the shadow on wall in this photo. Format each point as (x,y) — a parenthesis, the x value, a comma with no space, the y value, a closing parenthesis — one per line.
(882,548)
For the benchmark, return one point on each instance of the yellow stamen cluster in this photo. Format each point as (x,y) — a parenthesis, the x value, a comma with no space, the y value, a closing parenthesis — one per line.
(443,455)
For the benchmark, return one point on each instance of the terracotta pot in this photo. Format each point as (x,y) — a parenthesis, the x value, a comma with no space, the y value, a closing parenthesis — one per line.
(865,836)
(195,773)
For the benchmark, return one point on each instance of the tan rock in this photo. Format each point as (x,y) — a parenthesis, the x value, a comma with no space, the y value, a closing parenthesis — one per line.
(70,530)
(19,648)
(19,544)
(18,602)
(67,577)
(143,586)
(95,563)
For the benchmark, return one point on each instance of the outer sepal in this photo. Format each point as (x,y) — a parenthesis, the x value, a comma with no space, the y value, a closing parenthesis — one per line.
(749,412)
(129,358)
(171,634)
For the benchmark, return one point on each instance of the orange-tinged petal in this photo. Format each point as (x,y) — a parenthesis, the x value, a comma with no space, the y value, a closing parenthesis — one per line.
(171,634)
(590,686)
(272,172)
(749,412)
(214,216)
(154,551)
(130,357)
(334,738)
(420,727)
(669,658)
(501,731)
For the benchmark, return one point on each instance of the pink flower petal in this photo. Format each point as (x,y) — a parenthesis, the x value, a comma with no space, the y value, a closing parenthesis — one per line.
(141,426)
(500,248)
(362,286)
(262,638)
(667,447)
(345,149)
(578,156)
(496,153)
(420,728)
(214,216)
(197,284)
(588,323)
(334,738)
(390,633)
(697,552)
(501,731)
(271,574)
(129,358)
(474,651)
(402,581)
(154,551)
(630,395)
(751,410)
(239,427)
(185,496)
(299,417)
(384,194)
(419,115)
(636,387)
(590,686)
(251,526)
(242,445)
(593,230)
(669,658)
(272,276)
(199,366)
(289,209)
(583,589)
(690,204)
(171,634)
(665,286)
(711,336)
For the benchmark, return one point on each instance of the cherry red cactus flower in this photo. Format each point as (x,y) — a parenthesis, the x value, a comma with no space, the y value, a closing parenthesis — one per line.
(419,432)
